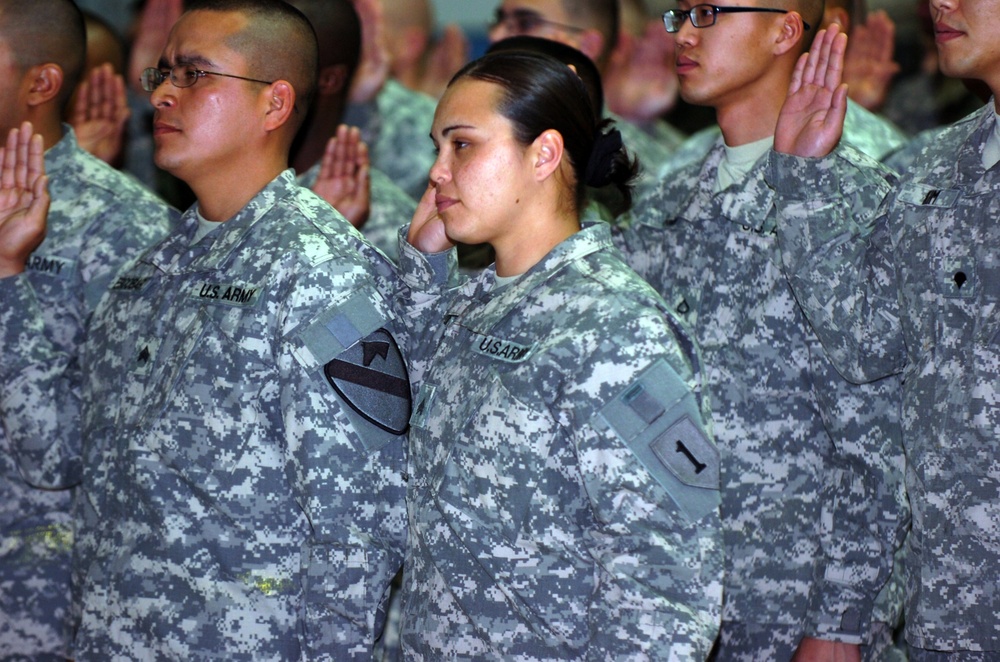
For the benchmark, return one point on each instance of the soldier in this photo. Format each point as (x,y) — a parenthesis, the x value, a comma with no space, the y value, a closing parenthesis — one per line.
(243,396)
(590,26)
(372,202)
(909,287)
(813,505)
(562,495)
(92,232)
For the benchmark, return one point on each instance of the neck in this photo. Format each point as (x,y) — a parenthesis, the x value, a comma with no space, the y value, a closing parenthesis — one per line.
(520,251)
(222,195)
(312,139)
(48,125)
(752,116)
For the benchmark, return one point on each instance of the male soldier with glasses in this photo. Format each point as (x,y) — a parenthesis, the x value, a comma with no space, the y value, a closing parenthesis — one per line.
(243,397)
(813,505)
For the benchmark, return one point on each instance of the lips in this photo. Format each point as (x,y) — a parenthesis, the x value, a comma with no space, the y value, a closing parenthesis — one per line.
(162,129)
(685,64)
(944,32)
(443,202)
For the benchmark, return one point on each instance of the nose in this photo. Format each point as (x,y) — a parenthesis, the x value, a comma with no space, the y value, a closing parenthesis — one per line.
(163,95)
(939,6)
(439,173)
(499,31)
(687,34)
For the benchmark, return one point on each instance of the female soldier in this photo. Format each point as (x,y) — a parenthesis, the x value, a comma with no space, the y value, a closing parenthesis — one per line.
(563,486)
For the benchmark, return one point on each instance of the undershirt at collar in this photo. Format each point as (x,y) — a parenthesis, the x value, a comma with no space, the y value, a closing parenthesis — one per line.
(738,161)
(205,226)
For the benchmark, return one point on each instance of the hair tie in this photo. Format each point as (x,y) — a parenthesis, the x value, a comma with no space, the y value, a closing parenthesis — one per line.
(599,167)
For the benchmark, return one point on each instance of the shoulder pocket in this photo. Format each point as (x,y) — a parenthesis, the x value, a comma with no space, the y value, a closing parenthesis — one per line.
(658,419)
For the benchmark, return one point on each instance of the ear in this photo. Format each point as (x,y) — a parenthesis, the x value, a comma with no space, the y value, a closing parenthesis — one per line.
(547,153)
(279,100)
(839,16)
(592,44)
(791,35)
(45,81)
(332,80)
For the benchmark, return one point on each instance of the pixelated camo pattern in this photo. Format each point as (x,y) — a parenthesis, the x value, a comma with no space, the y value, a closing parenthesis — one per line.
(397,128)
(92,231)
(240,508)
(812,497)
(912,287)
(535,532)
(391,208)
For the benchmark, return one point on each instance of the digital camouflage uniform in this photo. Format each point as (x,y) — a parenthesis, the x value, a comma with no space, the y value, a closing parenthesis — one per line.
(92,231)
(812,497)
(911,288)
(869,133)
(244,509)
(391,208)
(652,152)
(562,493)
(397,128)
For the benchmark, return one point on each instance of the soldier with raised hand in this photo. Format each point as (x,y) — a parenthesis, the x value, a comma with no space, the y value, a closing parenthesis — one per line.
(92,231)
(243,396)
(902,280)
(813,505)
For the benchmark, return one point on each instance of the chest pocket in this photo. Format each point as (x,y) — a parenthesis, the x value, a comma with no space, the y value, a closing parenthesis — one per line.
(497,461)
(202,397)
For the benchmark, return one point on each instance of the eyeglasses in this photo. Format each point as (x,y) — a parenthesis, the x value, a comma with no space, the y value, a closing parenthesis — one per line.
(703,16)
(525,21)
(183,75)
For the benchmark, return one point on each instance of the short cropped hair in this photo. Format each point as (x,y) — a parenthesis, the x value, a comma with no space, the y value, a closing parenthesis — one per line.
(279,44)
(601,15)
(338,29)
(44,31)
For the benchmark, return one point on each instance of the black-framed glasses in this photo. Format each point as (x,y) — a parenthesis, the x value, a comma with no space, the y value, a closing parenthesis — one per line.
(183,75)
(703,16)
(526,21)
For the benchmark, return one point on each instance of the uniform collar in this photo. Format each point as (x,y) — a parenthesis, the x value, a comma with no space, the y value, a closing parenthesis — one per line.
(216,248)
(489,308)
(59,155)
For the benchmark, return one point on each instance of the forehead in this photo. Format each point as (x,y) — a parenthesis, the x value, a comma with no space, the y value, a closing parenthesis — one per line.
(550,9)
(202,36)
(468,102)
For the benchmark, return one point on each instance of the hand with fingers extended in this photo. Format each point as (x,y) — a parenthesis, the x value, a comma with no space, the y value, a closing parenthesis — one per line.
(24,198)
(343,178)
(640,82)
(427,233)
(812,118)
(373,69)
(868,63)
(155,22)
(448,56)
(100,114)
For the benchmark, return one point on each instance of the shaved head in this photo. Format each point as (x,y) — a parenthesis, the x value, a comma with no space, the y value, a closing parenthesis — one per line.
(600,15)
(278,43)
(338,29)
(46,31)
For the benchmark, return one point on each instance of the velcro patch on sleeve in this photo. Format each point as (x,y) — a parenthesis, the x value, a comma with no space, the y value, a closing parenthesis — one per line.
(332,332)
(659,420)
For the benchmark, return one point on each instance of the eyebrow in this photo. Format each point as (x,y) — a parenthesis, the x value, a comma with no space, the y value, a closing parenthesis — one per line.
(455,127)
(188,60)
